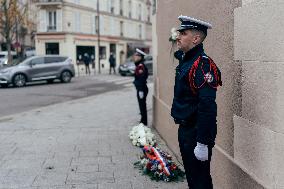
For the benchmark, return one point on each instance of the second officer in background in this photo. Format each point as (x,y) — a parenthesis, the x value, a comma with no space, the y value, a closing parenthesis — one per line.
(140,82)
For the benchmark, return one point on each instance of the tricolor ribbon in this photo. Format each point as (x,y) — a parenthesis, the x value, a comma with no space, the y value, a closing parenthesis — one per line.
(153,154)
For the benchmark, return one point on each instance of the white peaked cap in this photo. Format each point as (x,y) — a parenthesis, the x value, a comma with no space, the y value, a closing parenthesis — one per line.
(194,20)
(140,52)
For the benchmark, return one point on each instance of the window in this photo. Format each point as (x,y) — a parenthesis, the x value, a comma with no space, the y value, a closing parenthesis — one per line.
(140,31)
(51,48)
(112,6)
(148,58)
(154,7)
(77,19)
(48,60)
(121,28)
(148,14)
(121,7)
(97,24)
(129,8)
(102,52)
(139,12)
(37,61)
(51,21)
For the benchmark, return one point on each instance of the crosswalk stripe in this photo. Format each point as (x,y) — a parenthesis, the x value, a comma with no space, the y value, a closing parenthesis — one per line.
(129,85)
(116,80)
(123,82)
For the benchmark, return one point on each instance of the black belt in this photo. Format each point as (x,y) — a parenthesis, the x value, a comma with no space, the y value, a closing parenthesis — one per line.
(187,123)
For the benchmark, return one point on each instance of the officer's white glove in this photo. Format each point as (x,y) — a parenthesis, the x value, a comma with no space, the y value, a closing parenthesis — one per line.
(201,152)
(141,94)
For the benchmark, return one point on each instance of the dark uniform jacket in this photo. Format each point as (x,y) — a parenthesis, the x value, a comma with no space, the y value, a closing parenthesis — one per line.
(194,94)
(140,75)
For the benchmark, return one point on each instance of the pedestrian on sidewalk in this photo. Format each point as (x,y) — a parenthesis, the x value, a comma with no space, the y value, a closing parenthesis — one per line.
(87,60)
(194,107)
(112,63)
(140,82)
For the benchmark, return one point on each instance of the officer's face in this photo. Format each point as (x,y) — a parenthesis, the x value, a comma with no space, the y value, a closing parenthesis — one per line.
(137,57)
(186,40)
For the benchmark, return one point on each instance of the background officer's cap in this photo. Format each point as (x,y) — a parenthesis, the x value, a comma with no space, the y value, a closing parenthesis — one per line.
(140,52)
(193,23)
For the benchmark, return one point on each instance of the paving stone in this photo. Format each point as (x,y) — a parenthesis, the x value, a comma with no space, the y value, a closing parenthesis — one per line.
(16,181)
(84,186)
(87,168)
(116,185)
(90,178)
(50,179)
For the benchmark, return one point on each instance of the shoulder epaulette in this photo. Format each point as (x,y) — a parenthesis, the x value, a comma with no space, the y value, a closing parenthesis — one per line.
(211,76)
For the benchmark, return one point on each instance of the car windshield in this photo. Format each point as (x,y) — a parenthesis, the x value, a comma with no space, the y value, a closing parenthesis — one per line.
(17,62)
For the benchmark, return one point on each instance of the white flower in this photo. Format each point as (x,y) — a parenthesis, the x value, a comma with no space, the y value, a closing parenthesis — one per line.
(173,34)
(141,135)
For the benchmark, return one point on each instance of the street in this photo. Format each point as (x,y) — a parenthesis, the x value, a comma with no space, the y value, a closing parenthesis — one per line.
(35,95)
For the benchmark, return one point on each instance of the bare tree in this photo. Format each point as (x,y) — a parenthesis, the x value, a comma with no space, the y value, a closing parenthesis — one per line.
(13,15)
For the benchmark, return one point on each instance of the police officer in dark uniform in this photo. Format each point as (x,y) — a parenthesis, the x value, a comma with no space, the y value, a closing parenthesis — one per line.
(194,107)
(140,82)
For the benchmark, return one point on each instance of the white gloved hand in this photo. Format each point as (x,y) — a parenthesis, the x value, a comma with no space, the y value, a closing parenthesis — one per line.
(201,152)
(141,94)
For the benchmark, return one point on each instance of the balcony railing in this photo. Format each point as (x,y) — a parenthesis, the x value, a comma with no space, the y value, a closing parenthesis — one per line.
(49,2)
(51,28)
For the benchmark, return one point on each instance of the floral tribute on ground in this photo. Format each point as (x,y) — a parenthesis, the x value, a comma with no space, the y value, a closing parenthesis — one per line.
(159,165)
(141,135)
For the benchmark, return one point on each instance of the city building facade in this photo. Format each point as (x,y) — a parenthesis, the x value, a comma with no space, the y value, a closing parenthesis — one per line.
(247,44)
(98,28)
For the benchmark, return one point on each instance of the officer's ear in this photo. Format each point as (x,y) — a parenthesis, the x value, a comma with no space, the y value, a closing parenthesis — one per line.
(196,39)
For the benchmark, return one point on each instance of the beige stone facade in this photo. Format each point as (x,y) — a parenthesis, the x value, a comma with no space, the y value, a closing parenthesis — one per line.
(73,26)
(247,44)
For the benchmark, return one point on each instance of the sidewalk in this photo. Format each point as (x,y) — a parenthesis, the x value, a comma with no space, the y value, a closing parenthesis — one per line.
(78,144)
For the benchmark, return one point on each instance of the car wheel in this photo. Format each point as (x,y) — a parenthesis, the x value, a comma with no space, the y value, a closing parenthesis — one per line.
(50,81)
(19,80)
(65,77)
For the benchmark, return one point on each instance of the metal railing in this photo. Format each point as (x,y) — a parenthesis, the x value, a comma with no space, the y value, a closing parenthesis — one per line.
(51,28)
(49,1)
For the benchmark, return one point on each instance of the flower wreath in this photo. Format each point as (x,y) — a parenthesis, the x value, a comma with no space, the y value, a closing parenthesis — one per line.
(159,165)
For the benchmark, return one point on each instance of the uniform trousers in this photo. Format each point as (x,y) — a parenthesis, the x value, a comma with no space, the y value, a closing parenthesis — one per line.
(197,172)
(142,105)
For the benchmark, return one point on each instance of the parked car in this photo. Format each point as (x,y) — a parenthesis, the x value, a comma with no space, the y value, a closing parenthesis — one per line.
(4,57)
(49,68)
(128,68)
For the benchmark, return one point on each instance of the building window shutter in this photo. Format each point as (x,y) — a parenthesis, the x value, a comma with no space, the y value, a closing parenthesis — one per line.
(42,21)
(77,19)
(59,20)
(101,24)
(93,21)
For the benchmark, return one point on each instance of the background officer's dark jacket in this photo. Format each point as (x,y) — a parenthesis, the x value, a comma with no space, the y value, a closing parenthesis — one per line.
(140,80)
(200,109)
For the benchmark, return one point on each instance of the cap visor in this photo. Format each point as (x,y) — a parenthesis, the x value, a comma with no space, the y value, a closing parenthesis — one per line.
(183,28)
